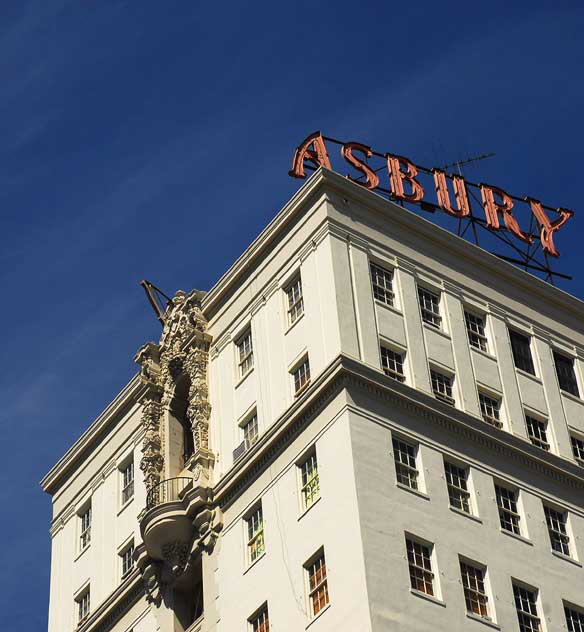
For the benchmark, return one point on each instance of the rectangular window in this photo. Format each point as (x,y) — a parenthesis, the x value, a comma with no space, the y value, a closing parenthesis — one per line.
(310,488)
(318,594)
(295,301)
(83,606)
(420,566)
(382,281)
(260,621)
(301,376)
(457,483)
(566,374)
(404,456)
(430,307)
(442,387)
(508,511)
(393,364)
(490,408)
(578,449)
(475,328)
(475,594)
(250,431)
(521,349)
(127,560)
(537,432)
(127,482)
(556,524)
(85,528)
(245,350)
(526,606)
(574,619)
(255,534)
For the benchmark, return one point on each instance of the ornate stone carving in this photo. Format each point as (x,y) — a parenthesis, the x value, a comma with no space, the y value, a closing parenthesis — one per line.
(176,555)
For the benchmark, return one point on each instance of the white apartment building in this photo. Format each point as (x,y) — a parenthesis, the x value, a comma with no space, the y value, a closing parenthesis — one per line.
(367,424)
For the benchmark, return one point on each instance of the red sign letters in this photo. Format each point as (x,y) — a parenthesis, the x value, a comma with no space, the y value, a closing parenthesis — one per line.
(404,185)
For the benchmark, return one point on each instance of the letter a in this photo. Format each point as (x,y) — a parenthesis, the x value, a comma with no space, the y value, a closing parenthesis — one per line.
(317,155)
(492,209)
(548,228)
(397,177)
(460,195)
(372,180)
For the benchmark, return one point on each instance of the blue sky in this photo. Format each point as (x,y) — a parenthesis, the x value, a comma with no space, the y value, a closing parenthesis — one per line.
(152,140)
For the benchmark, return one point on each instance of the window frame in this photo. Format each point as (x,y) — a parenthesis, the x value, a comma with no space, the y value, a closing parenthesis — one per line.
(429,315)
(478,338)
(127,485)
(309,486)
(451,471)
(557,523)
(532,595)
(570,386)
(448,396)
(521,360)
(250,420)
(127,548)
(82,606)
(304,361)
(482,597)
(399,358)
(537,431)
(579,612)
(577,443)
(245,354)
(264,625)
(294,304)
(425,549)
(512,512)
(254,533)
(85,525)
(320,585)
(381,291)
(495,420)
(405,469)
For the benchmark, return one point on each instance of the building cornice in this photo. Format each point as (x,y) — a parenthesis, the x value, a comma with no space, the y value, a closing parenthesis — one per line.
(347,373)
(125,399)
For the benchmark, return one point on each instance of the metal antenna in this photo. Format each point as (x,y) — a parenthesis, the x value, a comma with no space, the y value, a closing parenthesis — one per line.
(155,296)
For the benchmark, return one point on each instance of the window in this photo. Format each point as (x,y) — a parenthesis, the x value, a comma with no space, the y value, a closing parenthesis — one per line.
(565,373)
(442,386)
(456,481)
(250,431)
(574,619)
(85,528)
(404,456)
(430,307)
(536,431)
(475,327)
(382,281)
(310,488)
(526,606)
(556,524)
(508,510)
(475,594)
(521,349)
(490,410)
(578,449)
(295,301)
(255,534)
(318,594)
(127,559)
(393,364)
(420,566)
(301,376)
(260,622)
(127,482)
(83,604)
(245,349)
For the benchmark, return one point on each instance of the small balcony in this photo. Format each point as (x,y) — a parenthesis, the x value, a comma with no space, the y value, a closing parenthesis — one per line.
(168,491)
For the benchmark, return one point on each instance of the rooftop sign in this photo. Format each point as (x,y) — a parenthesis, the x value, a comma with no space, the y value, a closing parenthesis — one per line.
(430,188)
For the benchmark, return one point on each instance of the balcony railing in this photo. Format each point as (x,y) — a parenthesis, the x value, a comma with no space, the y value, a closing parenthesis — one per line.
(167,491)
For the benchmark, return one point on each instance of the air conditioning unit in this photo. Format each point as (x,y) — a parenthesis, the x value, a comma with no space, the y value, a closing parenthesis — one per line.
(239,451)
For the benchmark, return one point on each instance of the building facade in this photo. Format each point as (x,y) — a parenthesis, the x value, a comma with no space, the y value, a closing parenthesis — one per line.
(366,424)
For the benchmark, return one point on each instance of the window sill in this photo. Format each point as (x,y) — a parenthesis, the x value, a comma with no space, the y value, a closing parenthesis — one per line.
(305,511)
(529,376)
(574,398)
(517,537)
(244,377)
(291,326)
(489,622)
(81,552)
(318,616)
(439,331)
(391,308)
(126,504)
(483,353)
(431,598)
(567,558)
(252,564)
(301,390)
(466,515)
(416,492)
